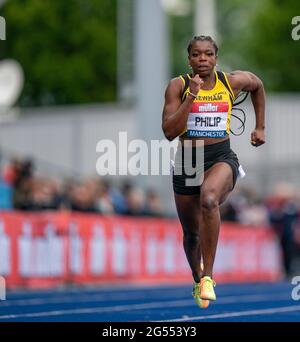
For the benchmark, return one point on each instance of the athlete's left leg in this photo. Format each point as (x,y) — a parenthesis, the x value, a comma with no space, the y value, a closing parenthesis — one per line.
(217,184)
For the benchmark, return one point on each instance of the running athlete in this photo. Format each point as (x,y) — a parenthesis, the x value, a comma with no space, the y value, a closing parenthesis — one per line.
(198,107)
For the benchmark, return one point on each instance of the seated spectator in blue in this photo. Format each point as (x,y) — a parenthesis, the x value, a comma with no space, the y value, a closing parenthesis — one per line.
(5,196)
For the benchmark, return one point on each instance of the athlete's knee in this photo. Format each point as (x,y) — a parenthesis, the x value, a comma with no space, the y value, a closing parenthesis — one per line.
(209,200)
(191,238)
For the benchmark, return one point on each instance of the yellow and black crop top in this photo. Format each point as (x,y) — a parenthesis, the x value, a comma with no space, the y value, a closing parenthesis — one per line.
(211,110)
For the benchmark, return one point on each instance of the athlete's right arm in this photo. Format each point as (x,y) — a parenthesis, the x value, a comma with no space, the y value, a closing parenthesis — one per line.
(175,112)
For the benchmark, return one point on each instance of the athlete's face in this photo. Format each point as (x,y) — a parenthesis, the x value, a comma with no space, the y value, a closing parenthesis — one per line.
(202,58)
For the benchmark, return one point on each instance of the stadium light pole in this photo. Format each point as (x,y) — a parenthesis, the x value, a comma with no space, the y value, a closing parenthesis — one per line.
(205,18)
(151,70)
(125,50)
(151,73)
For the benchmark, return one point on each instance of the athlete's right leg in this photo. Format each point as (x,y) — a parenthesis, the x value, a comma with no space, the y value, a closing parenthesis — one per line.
(188,209)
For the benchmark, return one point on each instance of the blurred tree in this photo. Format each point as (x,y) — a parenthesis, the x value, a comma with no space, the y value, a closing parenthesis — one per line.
(256,35)
(181,31)
(67,49)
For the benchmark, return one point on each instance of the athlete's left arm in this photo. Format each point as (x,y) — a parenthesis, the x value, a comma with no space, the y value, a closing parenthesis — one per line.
(246,81)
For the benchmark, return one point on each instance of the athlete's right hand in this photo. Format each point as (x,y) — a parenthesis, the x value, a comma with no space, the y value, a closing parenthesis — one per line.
(195,84)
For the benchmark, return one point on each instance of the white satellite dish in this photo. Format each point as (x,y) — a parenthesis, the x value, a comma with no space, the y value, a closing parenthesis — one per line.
(11,82)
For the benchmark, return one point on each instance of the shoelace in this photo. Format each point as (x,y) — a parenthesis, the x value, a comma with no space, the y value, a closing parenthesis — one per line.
(196,289)
(209,280)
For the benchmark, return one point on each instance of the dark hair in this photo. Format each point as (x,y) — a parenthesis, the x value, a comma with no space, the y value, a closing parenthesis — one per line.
(201,39)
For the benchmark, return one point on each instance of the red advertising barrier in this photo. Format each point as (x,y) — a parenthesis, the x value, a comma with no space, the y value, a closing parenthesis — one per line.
(48,249)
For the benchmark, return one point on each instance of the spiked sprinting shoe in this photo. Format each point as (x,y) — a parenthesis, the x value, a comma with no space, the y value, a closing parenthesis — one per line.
(207,291)
(202,303)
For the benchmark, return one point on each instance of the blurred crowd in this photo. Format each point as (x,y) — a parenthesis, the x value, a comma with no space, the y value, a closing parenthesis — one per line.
(279,210)
(22,189)
(93,195)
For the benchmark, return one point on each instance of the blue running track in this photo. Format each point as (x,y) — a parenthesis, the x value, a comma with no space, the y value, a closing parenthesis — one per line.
(267,302)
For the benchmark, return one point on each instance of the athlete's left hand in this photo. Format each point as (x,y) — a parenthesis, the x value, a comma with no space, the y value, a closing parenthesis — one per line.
(257,137)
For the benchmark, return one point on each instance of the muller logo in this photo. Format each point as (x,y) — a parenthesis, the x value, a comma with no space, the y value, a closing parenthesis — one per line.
(209,107)
(2,28)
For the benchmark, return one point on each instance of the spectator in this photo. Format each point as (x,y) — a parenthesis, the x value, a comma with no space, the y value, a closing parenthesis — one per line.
(154,206)
(283,212)
(135,202)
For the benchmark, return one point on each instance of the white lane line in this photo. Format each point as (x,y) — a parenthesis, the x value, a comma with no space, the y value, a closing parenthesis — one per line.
(90,298)
(10,298)
(92,289)
(270,311)
(117,308)
(227,289)
(138,296)
(142,306)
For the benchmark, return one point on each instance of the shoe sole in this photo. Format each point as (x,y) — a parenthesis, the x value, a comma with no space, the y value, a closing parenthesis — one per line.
(204,296)
(203,304)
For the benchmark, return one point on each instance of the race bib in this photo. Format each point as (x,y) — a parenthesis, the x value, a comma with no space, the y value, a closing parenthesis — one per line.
(208,120)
